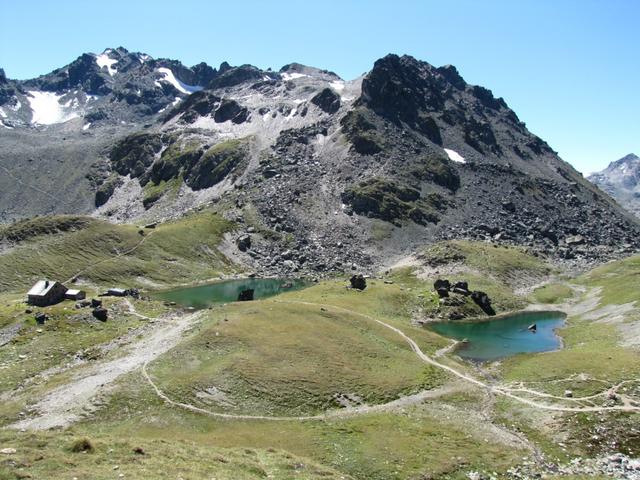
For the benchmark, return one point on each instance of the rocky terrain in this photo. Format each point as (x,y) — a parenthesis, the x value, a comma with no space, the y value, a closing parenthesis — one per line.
(320,174)
(621,180)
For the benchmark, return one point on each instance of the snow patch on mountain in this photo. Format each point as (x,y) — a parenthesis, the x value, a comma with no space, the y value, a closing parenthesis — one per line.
(454,156)
(293,76)
(103,60)
(169,77)
(46,108)
(338,85)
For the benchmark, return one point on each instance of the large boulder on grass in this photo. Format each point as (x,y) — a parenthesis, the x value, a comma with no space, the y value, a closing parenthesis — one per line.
(483,301)
(100,313)
(358,282)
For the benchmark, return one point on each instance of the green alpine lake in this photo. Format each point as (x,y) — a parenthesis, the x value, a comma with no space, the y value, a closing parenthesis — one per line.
(505,336)
(204,296)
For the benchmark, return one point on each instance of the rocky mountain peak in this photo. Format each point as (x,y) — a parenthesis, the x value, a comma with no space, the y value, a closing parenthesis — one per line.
(627,167)
(231,76)
(297,69)
(629,159)
(414,94)
(621,180)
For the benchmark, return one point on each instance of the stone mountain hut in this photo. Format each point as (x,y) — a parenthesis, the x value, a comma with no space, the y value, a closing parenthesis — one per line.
(46,292)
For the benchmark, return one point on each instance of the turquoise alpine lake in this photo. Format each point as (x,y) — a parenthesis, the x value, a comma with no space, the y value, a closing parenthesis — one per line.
(505,336)
(204,296)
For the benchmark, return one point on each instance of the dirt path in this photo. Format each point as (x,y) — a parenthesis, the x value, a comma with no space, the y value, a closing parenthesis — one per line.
(68,403)
(342,413)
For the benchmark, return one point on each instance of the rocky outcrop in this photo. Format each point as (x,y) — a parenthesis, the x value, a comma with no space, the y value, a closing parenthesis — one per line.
(389,201)
(327,100)
(399,89)
(231,76)
(230,110)
(206,103)
(135,153)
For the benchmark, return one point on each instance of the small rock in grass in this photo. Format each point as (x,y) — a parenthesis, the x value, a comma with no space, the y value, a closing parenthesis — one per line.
(8,451)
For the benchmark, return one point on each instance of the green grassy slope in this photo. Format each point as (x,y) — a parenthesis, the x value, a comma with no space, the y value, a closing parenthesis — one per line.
(181,251)
(271,358)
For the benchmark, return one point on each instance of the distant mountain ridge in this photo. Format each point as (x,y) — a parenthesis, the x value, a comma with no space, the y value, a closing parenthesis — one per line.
(621,179)
(114,86)
(320,171)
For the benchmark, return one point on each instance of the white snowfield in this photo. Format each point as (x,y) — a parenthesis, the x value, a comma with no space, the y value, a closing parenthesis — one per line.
(103,60)
(46,108)
(171,78)
(337,85)
(455,156)
(292,76)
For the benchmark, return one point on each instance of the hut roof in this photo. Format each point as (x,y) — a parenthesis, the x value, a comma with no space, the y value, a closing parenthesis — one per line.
(41,288)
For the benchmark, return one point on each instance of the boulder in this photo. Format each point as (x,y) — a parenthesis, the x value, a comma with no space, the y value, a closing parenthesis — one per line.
(443,292)
(358,282)
(290,265)
(95,303)
(243,243)
(441,283)
(509,206)
(574,240)
(483,301)
(100,313)
(461,288)
(246,295)
(41,318)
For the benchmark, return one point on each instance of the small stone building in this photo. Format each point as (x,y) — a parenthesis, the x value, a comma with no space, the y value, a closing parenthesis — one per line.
(73,294)
(46,292)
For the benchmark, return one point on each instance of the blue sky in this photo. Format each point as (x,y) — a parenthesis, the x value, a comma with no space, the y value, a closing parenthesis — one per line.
(570,69)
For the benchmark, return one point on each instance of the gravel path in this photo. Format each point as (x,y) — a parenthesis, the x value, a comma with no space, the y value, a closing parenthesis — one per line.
(68,403)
